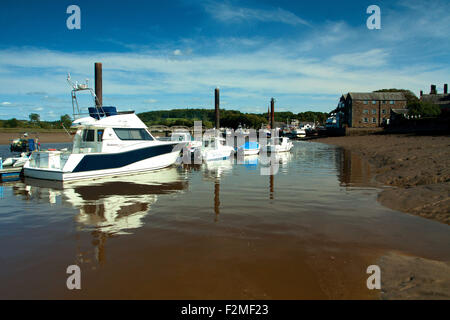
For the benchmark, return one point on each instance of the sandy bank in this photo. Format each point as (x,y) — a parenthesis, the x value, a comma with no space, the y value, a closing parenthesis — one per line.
(44,137)
(417,167)
(405,277)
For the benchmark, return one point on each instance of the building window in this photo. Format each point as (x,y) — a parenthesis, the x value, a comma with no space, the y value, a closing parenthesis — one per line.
(392,102)
(374,102)
(383,102)
(366,120)
(366,102)
(374,120)
(365,111)
(383,111)
(374,111)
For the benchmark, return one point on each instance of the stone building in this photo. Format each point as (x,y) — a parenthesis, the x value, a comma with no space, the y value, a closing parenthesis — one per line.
(369,109)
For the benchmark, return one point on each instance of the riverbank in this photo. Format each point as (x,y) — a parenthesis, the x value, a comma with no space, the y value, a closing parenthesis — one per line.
(48,136)
(416,167)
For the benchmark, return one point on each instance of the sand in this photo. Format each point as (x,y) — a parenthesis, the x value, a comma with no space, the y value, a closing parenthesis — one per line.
(412,278)
(416,168)
(44,137)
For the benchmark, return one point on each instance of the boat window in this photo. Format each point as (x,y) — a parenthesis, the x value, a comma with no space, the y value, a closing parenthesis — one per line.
(89,135)
(99,135)
(132,134)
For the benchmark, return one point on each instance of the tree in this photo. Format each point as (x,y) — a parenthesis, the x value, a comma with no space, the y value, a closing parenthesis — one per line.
(11,123)
(34,117)
(424,109)
(66,121)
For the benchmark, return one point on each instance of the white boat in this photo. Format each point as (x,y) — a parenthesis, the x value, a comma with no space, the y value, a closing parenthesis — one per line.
(107,143)
(282,144)
(185,136)
(214,148)
(299,132)
(248,149)
(16,161)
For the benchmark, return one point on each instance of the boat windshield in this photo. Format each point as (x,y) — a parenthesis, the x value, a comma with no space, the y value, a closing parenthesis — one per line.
(132,134)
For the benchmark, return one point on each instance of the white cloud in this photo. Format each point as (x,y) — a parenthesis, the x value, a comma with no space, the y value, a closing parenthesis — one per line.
(227,12)
(329,60)
(6,103)
(371,58)
(177,52)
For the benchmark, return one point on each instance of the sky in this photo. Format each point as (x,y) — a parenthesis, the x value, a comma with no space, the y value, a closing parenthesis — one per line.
(172,54)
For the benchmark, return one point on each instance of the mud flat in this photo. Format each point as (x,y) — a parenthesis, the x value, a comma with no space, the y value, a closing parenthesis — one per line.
(417,168)
(415,174)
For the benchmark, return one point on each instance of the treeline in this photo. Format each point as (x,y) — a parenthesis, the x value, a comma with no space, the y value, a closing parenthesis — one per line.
(228,118)
(35,122)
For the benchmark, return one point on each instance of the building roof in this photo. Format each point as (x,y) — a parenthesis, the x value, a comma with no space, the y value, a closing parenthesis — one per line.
(442,100)
(396,96)
(399,111)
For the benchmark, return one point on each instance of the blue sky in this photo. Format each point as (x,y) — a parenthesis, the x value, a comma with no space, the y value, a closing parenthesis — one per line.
(172,54)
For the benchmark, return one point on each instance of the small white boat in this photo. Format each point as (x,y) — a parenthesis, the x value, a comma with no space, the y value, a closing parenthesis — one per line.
(299,132)
(249,148)
(282,144)
(16,161)
(185,136)
(215,148)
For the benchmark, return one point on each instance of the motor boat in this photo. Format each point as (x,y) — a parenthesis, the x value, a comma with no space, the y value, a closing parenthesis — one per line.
(249,148)
(185,136)
(280,144)
(299,132)
(214,148)
(106,143)
(16,162)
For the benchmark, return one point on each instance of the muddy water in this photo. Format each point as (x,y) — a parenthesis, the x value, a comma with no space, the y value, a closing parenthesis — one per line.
(220,230)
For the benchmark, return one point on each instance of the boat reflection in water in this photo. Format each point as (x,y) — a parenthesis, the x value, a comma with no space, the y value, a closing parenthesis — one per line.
(112,205)
(214,171)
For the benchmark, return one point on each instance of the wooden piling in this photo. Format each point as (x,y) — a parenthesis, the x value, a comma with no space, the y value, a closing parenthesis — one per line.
(272,113)
(98,84)
(217,105)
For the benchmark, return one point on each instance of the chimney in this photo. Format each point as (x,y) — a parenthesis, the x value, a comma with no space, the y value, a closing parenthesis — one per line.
(445,88)
(433,89)
(217,104)
(98,84)
(272,113)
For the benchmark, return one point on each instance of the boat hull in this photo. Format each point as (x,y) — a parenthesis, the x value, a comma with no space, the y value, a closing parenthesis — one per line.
(88,167)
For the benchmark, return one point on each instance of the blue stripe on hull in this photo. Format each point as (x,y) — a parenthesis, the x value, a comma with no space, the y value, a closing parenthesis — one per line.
(116,160)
